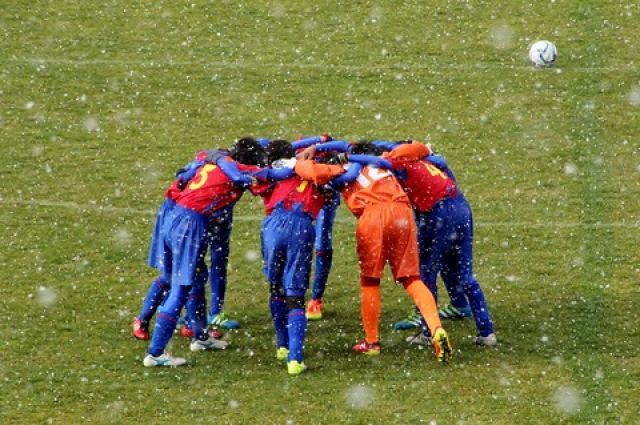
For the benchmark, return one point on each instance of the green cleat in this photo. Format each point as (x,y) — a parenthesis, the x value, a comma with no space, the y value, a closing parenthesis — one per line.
(282,353)
(295,368)
(413,321)
(451,312)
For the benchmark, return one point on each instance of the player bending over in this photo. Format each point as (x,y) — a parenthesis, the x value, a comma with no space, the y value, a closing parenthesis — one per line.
(385,232)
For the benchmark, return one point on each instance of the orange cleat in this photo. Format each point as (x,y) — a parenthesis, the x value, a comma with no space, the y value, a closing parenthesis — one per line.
(140,330)
(186,332)
(314,309)
(364,347)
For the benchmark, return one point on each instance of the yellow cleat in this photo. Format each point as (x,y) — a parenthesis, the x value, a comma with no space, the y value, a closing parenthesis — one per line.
(442,346)
(282,353)
(295,368)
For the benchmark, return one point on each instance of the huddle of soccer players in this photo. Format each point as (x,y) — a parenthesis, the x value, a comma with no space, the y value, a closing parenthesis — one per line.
(410,213)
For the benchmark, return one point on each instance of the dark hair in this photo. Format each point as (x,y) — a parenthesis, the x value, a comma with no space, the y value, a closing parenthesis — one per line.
(279,149)
(367,148)
(248,151)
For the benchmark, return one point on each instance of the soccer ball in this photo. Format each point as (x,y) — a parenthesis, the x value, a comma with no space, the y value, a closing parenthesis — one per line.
(543,53)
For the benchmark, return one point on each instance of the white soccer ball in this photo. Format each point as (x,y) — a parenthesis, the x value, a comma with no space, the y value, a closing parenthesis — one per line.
(543,53)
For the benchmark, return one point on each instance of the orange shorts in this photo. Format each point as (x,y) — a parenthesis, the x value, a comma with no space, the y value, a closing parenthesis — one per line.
(387,232)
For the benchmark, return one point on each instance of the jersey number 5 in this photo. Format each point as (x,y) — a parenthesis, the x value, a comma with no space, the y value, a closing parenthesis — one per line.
(203,175)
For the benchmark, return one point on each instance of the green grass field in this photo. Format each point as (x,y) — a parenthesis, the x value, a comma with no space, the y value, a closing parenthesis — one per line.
(100,103)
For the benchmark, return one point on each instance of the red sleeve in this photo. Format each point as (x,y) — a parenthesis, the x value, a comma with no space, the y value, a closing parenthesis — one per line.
(317,173)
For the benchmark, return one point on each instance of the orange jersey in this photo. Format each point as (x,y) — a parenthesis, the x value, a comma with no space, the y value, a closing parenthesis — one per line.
(373,186)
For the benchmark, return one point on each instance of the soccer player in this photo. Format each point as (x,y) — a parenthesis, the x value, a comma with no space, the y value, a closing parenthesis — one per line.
(209,196)
(385,232)
(287,237)
(323,245)
(445,233)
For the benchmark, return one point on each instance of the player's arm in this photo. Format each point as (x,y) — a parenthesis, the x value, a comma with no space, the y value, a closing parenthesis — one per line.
(230,168)
(317,173)
(408,152)
(309,141)
(273,174)
(352,173)
(376,161)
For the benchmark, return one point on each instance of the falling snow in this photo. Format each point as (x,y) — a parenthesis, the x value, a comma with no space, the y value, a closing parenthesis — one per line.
(359,397)
(567,400)
(47,296)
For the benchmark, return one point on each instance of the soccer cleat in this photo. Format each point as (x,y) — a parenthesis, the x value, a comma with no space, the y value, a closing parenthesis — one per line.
(314,309)
(413,321)
(165,359)
(442,346)
(488,341)
(364,347)
(186,332)
(220,321)
(451,312)
(282,353)
(208,344)
(295,367)
(140,329)
(420,339)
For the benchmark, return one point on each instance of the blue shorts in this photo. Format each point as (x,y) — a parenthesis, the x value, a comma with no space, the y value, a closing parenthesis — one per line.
(156,247)
(185,246)
(287,248)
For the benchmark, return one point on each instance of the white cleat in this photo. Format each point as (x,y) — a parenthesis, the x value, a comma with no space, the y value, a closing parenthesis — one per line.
(208,344)
(420,339)
(165,359)
(488,341)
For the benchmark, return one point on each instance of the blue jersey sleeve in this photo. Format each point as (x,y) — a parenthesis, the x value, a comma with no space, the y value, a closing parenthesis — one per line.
(344,179)
(274,174)
(186,173)
(230,169)
(306,142)
(376,161)
(385,144)
(336,146)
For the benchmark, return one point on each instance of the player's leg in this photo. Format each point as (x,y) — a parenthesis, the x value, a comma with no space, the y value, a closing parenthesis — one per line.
(156,293)
(295,281)
(278,308)
(369,234)
(273,244)
(463,269)
(428,255)
(159,258)
(165,325)
(196,306)
(219,240)
(370,309)
(323,256)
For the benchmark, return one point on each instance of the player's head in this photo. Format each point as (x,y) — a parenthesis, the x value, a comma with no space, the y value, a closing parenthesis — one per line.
(248,151)
(279,149)
(365,147)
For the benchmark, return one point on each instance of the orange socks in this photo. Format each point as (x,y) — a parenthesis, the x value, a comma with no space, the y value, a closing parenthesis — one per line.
(370,308)
(423,298)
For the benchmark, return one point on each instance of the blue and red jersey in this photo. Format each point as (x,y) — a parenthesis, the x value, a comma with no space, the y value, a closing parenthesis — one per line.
(424,183)
(296,191)
(211,189)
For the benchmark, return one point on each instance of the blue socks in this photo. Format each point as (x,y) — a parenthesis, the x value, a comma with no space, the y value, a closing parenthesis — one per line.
(297,328)
(155,295)
(278,307)
(323,267)
(168,318)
